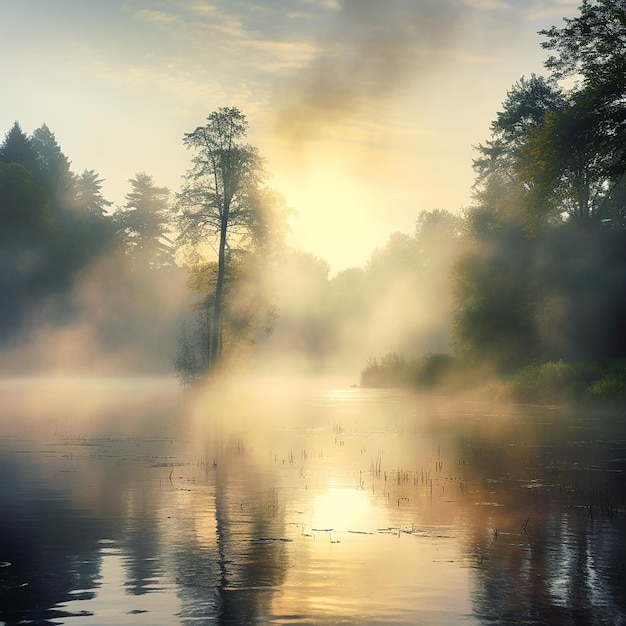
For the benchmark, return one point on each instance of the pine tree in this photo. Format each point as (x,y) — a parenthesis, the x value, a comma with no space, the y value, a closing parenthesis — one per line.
(17,147)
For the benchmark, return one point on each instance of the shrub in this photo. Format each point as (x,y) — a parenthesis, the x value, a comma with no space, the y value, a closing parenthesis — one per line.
(551,381)
(389,371)
(434,369)
(610,386)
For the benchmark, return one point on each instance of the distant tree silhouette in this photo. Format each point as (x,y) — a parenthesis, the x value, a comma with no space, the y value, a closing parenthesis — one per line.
(47,238)
(89,196)
(53,169)
(17,147)
(28,239)
(144,223)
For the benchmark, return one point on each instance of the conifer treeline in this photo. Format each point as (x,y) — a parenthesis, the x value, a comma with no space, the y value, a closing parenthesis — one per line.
(57,234)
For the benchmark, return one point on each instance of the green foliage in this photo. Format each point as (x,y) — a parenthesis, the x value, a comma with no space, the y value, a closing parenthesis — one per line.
(610,386)
(546,382)
(592,46)
(543,273)
(560,381)
(220,199)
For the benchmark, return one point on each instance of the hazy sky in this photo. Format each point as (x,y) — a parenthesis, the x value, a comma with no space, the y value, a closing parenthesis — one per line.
(366,110)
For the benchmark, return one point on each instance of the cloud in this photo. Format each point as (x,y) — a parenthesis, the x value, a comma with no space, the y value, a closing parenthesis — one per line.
(333,5)
(272,56)
(297,15)
(555,9)
(156,16)
(372,51)
(488,4)
(202,8)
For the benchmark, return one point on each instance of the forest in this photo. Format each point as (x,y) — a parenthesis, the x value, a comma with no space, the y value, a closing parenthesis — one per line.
(521,294)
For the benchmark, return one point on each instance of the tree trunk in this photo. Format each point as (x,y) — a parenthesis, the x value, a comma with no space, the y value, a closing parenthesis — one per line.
(216,336)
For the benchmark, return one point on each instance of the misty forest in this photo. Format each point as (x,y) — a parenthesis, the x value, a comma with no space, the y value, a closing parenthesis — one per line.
(171,451)
(521,293)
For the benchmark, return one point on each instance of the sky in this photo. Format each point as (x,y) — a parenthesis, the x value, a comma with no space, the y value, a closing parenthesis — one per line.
(366,111)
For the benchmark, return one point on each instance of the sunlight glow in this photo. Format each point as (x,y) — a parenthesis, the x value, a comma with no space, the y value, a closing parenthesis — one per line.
(342,509)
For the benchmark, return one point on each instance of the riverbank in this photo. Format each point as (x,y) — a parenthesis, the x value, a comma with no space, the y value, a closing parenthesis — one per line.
(545,382)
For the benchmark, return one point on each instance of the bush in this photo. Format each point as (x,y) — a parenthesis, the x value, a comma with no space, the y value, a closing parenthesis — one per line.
(390,371)
(610,386)
(433,370)
(551,381)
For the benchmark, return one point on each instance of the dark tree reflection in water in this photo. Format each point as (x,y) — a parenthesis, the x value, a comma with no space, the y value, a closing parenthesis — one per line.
(548,539)
(130,502)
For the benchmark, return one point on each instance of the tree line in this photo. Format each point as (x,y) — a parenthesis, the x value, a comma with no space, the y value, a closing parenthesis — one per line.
(64,256)
(540,283)
(550,209)
(527,284)
(67,257)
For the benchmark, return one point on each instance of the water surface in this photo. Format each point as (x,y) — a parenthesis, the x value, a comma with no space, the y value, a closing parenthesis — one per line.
(130,502)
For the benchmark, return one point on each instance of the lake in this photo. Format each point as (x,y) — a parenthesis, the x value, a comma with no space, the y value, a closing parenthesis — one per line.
(134,502)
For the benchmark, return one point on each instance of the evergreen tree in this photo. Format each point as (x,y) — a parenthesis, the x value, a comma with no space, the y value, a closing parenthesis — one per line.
(53,169)
(144,223)
(89,196)
(17,147)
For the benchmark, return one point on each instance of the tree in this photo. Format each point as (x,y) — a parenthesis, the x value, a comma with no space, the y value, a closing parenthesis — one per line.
(28,241)
(223,206)
(592,48)
(53,169)
(18,148)
(144,223)
(497,284)
(495,320)
(24,212)
(89,196)
(567,174)
(502,185)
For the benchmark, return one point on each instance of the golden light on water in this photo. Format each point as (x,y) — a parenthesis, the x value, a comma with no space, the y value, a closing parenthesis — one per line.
(345,510)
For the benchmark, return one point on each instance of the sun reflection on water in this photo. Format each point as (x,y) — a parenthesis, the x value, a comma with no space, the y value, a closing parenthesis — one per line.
(346,510)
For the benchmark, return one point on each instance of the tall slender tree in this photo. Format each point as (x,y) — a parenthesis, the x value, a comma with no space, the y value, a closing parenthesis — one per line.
(223,206)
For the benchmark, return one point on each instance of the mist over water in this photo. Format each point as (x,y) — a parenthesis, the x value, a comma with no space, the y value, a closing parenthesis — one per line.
(272,483)
(131,501)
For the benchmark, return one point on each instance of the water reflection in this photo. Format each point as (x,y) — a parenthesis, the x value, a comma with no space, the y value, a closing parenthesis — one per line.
(133,504)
